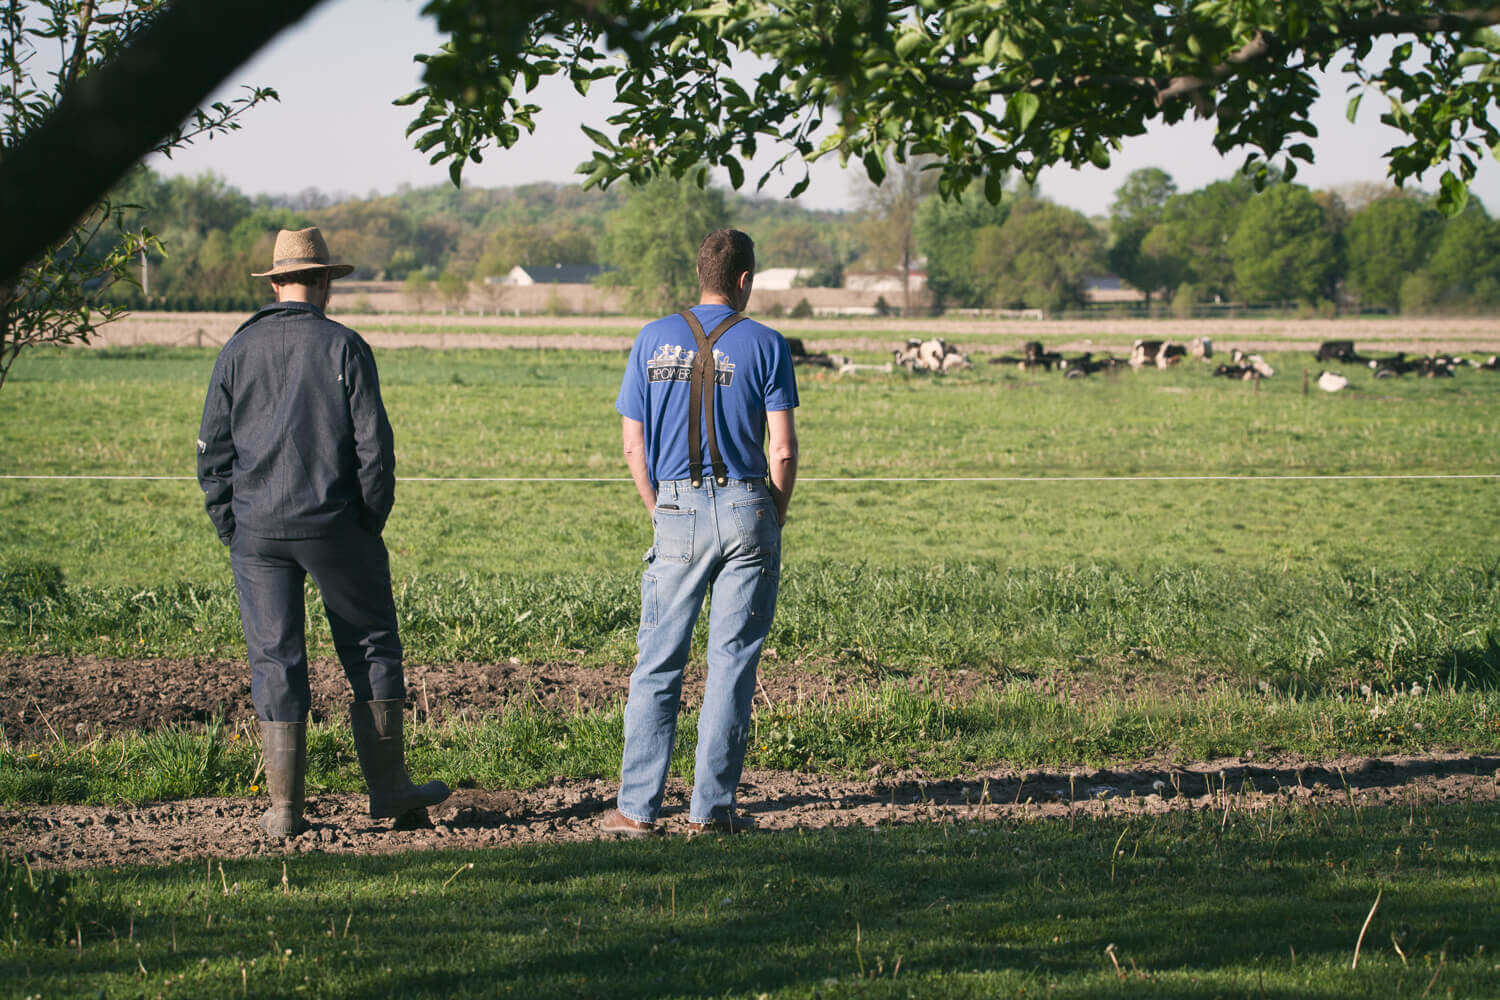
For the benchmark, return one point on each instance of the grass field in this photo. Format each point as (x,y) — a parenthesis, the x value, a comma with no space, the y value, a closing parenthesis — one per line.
(1270,616)
(1266,903)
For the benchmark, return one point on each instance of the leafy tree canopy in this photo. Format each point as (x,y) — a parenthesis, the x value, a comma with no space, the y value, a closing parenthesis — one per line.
(1285,247)
(1386,241)
(988,89)
(1040,258)
(652,243)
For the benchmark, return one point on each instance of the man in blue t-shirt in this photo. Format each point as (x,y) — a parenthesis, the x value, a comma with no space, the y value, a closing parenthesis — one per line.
(702,390)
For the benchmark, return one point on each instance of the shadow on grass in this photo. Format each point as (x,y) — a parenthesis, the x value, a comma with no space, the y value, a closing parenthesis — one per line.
(1189,905)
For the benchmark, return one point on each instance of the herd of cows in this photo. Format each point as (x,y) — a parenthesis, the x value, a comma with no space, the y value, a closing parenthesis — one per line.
(938,357)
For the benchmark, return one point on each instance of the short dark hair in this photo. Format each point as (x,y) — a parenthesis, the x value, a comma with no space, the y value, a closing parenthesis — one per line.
(724,255)
(308,278)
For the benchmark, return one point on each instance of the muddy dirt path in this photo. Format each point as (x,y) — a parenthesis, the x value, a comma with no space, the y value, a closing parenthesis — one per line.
(165,833)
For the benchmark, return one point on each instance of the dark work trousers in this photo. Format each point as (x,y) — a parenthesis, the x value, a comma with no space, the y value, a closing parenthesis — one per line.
(353,574)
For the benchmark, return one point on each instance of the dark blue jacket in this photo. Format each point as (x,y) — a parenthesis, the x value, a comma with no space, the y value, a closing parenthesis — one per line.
(294,437)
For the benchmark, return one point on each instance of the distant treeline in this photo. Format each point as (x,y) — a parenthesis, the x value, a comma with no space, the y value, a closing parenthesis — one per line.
(1362,247)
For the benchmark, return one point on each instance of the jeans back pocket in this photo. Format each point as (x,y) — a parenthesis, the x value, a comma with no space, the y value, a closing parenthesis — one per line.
(674,534)
(755,521)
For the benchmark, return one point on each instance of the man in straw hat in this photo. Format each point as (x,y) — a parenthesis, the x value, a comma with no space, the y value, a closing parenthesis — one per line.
(297,465)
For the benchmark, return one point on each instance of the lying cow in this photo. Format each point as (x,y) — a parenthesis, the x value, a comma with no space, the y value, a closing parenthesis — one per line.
(1038,356)
(1338,350)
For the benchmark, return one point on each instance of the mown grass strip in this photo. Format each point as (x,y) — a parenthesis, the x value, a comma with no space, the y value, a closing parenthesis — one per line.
(1254,903)
(891,726)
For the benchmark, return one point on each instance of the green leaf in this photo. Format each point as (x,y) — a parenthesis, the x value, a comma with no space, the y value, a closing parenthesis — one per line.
(1453,194)
(1025,105)
(599,138)
(994,187)
(1353,108)
(992,45)
(875,167)
(736,172)
(909,42)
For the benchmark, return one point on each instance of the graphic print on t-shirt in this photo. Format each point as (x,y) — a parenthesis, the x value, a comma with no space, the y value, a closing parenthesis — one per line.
(674,363)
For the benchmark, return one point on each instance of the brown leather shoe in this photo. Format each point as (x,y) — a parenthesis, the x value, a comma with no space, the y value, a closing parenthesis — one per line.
(734,823)
(620,825)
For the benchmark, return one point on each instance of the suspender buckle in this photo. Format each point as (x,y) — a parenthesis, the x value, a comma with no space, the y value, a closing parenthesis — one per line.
(697,483)
(722,480)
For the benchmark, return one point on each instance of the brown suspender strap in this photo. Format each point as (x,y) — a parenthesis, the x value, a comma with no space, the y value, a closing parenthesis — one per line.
(701,399)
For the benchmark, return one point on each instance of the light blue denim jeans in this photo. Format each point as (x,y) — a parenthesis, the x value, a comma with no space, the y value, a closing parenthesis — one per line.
(718,540)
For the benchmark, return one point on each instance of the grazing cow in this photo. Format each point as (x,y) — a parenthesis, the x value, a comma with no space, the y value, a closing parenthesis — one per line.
(1332,381)
(1338,350)
(1143,353)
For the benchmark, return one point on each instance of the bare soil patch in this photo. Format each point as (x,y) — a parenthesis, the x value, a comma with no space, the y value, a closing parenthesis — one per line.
(44,698)
(171,832)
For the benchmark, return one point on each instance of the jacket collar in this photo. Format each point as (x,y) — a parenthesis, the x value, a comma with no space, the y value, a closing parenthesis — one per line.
(289,308)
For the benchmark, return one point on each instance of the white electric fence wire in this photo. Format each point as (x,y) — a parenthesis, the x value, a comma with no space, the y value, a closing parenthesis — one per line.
(1311,477)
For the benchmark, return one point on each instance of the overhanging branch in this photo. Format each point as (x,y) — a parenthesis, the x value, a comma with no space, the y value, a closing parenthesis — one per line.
(111,118)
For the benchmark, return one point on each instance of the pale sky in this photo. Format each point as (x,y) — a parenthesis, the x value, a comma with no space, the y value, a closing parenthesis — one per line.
(336,129)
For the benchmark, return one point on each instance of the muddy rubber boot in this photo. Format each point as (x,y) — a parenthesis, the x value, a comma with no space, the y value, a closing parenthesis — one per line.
(284,747)
(382,757)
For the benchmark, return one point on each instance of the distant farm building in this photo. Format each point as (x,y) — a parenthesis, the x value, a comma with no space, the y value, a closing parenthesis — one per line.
(883,282)
(778,279)
(1110,288)
(558,274)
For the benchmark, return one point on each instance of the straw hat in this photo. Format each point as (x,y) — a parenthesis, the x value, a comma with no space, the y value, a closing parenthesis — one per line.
(302,250)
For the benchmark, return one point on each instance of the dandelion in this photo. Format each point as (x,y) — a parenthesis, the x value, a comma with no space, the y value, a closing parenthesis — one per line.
(254,789)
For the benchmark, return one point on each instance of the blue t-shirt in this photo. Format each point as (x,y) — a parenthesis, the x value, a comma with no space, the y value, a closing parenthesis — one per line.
(753,376)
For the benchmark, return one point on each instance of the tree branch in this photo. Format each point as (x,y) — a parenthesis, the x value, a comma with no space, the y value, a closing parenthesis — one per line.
(110,118)
(80,45)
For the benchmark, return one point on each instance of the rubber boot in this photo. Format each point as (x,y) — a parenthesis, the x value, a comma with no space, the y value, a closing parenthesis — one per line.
(284,747)
(382,757)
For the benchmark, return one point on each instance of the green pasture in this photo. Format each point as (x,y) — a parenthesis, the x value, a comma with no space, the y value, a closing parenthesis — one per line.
(1266,903)
(1109,622)
(509,414)
(1307,586)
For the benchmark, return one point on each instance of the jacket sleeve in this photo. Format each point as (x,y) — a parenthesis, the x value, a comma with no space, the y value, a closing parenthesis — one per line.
(374,444)
(216,455)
